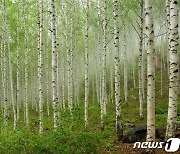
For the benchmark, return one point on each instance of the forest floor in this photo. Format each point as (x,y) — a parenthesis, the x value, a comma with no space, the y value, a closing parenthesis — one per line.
(74,138)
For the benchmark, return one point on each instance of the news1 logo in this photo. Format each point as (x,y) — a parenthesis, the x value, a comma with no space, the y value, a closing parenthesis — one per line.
(171,145)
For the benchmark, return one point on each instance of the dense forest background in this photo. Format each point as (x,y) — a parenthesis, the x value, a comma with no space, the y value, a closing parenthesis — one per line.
(74,73)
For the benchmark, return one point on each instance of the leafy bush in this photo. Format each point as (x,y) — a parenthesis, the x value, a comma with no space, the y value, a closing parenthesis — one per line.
(61,141)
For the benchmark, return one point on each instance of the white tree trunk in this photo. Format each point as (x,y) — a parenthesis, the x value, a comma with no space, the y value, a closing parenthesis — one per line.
(6,117)
(111,82)
(161,51)
(143,67)
(58,63)
(168,27)
(47,81)
(150,72)
(58,75)
(11,83)
(75,79)
(71,57)
(3,64)
(86,66)
(54,63)
(18,65)
(174,70)
(119,126)
(125,65)
(141,4)
(63,82)
(134,76)
(47,64)
(96,68)
(63,73)
(100,64)
(1,54)
(63,62)
(68,62)
(104,99)
(26,64)
(40,64)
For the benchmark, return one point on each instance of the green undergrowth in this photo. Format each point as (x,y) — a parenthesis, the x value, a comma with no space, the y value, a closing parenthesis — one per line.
(60,141)
(74,138)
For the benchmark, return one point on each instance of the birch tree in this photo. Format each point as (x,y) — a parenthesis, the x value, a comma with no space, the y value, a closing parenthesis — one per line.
(103,97)
(125,63)
(18,64)
(168,27)
(47,81)
(46,18)
(119,128)
(68,62)
(40,52)
(26,63)
(174,70)
(100,62)
(3,64)
(86,66)
(11,82)
(54,62)
(71,55)
(141,3)
(150,72)
(63,67)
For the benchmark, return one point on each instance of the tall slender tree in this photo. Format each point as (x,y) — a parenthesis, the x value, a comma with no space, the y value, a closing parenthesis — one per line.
(40,52)
(168,26)
(103,97)
(100,62)
(18,64)
(150,72)
(71,55)
(125,63)
(54,63)
(68,62)
(3,64)
(46,20)
(11,81)
(47,80)
(174,70)
(26,63)
(119,126)
(86,65)
(63,68)
(141,6)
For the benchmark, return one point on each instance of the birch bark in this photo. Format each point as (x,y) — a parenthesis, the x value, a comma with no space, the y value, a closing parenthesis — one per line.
(119,126)
(104,99)
(141,3)
(18,65)
(11,82)
(54,63)
(174,70)
(40,64)
(26,64)
(125,65)
(3,65)
(86,65)
(150,72)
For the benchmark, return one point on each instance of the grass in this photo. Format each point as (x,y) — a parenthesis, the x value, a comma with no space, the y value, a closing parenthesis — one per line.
(74,138)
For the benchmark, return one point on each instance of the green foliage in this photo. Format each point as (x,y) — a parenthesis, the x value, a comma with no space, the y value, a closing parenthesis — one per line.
(61,141)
